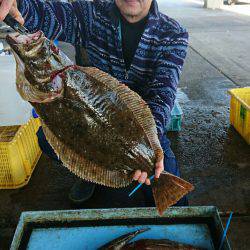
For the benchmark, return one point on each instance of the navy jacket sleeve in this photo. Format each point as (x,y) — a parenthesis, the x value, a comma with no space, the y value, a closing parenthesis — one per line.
(161,92)
(68,22)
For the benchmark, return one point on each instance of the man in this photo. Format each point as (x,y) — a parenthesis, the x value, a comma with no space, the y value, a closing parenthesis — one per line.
(129,39)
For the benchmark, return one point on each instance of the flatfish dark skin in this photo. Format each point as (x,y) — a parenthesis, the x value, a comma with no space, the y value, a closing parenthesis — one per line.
(148,244)
(122,243)
(101,130)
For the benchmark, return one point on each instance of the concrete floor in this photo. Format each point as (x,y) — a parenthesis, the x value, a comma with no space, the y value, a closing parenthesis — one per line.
(211,154)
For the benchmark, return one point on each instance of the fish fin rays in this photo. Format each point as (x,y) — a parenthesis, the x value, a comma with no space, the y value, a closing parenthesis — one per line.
(134,102)
(169,189)
(84,168)
(22,84)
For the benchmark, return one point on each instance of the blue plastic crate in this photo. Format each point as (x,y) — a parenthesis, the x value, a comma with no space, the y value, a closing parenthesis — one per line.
(176,118)
(92,228)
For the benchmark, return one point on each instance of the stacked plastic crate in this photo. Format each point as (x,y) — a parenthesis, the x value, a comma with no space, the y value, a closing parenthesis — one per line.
(240,111)
(19,153)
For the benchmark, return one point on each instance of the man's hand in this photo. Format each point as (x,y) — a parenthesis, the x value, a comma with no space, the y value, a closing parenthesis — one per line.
(142,176)
(10,7)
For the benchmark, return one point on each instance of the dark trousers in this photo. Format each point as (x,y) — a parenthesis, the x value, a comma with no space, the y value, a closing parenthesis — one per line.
(170,164)
(45,146)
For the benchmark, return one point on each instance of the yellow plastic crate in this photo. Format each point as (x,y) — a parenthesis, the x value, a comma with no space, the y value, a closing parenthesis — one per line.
(19,153)
(240,111)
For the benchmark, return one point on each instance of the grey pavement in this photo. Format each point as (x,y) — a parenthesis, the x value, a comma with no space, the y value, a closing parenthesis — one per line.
(222,37)
(211,154)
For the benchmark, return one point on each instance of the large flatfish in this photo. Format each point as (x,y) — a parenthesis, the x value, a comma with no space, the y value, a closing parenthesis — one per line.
(101,130)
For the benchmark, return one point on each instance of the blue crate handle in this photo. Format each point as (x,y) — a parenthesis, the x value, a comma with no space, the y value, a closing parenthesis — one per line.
(225,231)
(34,114)
(138,186)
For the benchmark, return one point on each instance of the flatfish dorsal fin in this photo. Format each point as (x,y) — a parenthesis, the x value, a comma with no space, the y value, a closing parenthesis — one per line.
(134,102)
(84,168)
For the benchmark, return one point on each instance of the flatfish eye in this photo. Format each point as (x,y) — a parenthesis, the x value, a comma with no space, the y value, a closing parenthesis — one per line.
(77,78)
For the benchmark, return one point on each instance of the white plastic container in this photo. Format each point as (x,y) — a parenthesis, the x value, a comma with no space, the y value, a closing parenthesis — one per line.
(13,109)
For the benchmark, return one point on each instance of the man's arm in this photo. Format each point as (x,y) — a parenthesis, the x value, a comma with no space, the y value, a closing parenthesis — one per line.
(68,22)
(161,93)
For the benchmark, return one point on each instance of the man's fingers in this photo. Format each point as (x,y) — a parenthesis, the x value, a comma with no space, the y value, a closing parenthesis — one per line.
(15,4)
(17,15)
(137,175)
(5,7)
(159,167)
(10,6)
(147,182)
(158,171)
(143,177)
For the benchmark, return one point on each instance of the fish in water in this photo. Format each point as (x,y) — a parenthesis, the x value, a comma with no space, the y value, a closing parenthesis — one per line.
(122,243)
(101,130)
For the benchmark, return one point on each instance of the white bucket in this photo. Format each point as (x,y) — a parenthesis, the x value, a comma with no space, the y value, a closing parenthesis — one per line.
(13,109)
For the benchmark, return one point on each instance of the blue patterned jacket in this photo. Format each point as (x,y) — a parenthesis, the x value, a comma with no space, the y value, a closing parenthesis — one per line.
(158,61)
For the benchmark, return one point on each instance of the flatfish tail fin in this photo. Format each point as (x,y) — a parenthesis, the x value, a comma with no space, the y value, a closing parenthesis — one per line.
(84,168)
(169,189)
(134,102)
